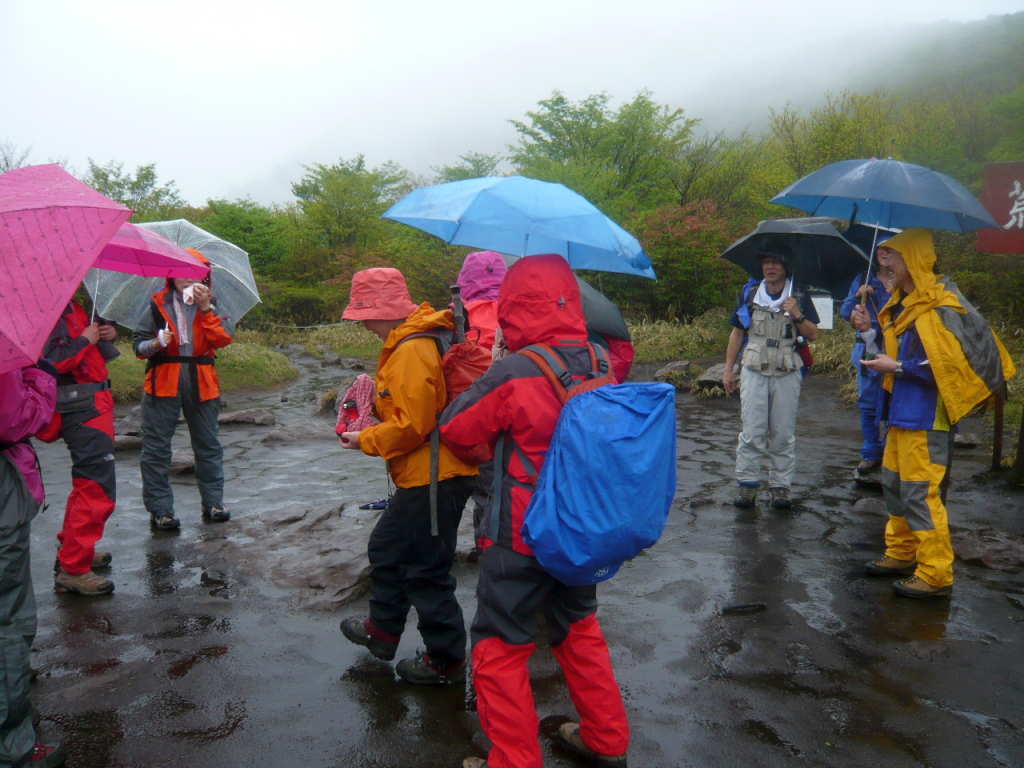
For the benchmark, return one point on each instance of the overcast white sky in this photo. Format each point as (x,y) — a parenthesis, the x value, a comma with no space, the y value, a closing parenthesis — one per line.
(230,98)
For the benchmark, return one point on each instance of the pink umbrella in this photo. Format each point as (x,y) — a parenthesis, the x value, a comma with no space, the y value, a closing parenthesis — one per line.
(52,229)
(137,251)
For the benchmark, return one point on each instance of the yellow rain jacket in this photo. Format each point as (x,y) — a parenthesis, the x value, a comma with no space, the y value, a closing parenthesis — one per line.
(968,360)
(410,395)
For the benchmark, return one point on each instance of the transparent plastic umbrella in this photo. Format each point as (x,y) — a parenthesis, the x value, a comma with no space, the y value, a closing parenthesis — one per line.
(123,298)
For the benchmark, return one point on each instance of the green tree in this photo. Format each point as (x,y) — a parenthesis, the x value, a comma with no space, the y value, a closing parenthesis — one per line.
(141,192)
(260,231)
(474,165)
(12,156)
(621,160)
(342,203)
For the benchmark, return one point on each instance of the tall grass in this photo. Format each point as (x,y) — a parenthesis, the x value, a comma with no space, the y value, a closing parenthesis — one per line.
(663,341)
(345,339)
(242,366)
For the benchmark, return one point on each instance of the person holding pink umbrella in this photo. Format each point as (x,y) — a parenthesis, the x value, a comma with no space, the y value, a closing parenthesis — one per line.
(80,349)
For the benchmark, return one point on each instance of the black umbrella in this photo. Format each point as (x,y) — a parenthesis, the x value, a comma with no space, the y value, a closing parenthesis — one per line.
(821,256)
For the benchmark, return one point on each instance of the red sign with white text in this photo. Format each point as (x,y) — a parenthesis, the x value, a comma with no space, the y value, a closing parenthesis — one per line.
(1003,195)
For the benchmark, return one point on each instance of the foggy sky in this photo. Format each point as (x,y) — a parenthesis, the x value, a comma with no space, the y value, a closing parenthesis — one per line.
(231,98)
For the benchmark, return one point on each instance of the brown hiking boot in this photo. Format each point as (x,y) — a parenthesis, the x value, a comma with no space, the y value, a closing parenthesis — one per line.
(87,584)
(915,586)
(570,733)
(890,566)
(99,560)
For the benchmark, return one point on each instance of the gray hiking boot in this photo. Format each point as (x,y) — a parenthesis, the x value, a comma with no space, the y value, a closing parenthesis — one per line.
(164,521)
(422,671)
(87,584)
(474,762)
(570,734)
(361,631)
(747,496)
(216,514)
(781,499)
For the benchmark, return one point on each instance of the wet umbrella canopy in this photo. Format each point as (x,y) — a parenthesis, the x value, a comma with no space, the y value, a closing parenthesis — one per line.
(53,228)
(123,298)
(822,257)
(887,193)
(523,217)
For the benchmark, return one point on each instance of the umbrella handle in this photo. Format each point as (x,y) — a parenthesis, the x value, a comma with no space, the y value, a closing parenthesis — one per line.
(867,275)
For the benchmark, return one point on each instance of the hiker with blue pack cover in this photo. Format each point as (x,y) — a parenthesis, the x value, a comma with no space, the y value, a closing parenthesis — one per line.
(514,408)
(410,553)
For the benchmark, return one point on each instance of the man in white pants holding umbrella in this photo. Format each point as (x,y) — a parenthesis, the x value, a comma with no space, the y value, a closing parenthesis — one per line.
(770,316)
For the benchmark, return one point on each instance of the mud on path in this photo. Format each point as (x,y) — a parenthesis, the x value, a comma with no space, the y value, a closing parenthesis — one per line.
(205,657)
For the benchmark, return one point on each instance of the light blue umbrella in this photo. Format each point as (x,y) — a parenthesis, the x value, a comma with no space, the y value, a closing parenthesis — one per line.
(523,217)
(887,193)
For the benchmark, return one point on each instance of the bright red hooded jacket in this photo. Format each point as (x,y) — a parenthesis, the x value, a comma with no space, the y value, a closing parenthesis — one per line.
(539,303)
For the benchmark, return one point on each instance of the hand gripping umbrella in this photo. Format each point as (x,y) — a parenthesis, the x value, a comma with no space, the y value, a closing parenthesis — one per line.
(523,217)
(52,228)
(125,297)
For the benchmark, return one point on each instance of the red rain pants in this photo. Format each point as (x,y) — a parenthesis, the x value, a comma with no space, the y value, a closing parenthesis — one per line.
(93,492)
(512,587)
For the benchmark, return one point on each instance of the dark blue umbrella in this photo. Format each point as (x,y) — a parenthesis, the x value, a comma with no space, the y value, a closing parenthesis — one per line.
(523,217)
(887,193)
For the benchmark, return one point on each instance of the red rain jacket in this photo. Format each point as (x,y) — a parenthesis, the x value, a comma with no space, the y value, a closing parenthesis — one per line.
(539,303)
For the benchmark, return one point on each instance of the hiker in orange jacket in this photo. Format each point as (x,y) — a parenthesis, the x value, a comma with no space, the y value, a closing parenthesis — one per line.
(410,567)
(179,338)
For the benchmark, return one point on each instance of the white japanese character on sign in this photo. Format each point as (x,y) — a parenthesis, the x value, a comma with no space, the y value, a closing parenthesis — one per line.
(1017,210)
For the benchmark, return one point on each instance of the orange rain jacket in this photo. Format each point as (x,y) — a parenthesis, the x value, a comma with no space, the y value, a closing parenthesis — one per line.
(208,335)
(410,394)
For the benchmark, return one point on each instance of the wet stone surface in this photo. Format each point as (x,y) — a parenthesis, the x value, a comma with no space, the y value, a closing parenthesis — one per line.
(208,653)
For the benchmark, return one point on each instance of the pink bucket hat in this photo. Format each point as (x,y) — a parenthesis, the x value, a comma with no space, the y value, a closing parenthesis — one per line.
(379,294)
(481,276)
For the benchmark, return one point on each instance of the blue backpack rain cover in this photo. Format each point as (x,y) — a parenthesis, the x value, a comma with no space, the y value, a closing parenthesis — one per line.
(607,482)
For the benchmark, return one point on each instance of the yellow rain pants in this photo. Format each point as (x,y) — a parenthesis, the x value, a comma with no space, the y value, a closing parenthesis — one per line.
(913,466)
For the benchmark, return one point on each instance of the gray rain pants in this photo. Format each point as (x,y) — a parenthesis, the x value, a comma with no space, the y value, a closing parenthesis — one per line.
(17,616)
(768,406)
(159,421)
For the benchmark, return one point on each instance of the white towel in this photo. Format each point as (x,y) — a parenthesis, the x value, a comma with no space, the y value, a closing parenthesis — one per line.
(775,305)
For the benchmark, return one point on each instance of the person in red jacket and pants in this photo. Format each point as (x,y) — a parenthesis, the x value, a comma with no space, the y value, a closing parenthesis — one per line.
(539,303)
(80,350)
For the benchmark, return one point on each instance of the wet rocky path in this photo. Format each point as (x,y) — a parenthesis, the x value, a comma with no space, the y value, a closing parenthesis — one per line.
(203,658)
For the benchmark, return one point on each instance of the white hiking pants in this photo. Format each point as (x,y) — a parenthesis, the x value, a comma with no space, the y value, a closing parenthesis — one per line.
(768,406)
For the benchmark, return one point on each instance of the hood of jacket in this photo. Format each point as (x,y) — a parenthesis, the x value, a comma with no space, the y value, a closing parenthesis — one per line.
(481,276)
(424,318)
(539,303)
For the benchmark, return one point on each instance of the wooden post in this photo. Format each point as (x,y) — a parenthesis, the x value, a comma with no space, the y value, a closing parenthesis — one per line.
(997,433)
(1017,475)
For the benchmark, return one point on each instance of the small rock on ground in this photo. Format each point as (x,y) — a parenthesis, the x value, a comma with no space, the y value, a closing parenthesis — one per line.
(991,548)
(183,462)
(258,416)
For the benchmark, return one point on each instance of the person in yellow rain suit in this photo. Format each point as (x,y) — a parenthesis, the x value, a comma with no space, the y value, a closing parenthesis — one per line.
(941,361)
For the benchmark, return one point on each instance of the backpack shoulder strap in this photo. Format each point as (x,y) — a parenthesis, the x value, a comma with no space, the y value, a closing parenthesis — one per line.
(551,365)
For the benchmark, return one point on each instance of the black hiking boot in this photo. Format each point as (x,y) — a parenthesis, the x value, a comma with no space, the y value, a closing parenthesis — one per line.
(781,499)
(216,514)
(164,521)
(361,631)
(422,671)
